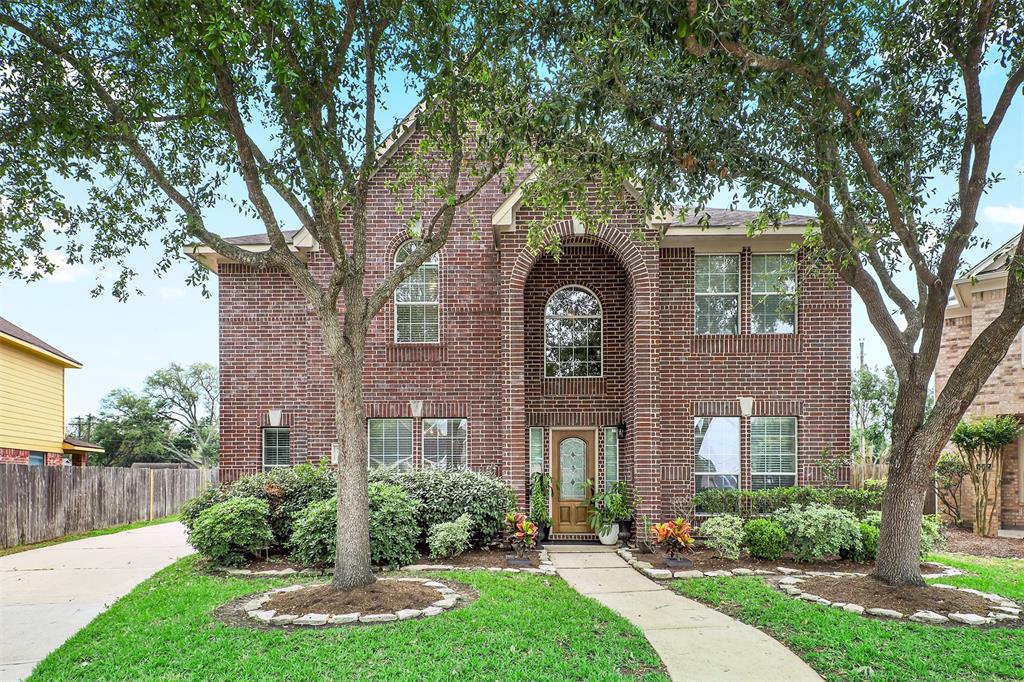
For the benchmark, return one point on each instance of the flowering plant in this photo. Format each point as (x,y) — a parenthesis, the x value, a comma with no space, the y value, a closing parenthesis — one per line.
(672,536)
(520,532)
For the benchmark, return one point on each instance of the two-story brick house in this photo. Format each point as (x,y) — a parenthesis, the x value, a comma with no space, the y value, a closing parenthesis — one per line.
(706,359)
(979,297)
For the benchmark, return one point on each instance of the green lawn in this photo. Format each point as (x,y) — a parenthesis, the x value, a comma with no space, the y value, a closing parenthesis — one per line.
(87,534)
(523,627)
(844,646)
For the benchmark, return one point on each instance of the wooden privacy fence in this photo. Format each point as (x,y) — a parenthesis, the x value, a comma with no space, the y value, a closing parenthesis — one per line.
(41,503)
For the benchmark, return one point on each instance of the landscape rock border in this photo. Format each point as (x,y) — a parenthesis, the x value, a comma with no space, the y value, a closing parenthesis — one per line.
(448,598)
(665,574)
(1003,611)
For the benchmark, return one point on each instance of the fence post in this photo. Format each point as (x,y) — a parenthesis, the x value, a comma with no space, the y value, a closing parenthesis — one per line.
(151,473)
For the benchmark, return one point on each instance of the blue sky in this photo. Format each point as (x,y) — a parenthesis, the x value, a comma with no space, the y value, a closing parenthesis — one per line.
(119,343)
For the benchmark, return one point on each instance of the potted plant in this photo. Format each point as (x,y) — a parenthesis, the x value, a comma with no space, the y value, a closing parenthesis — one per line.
(673,537)
(520,534)
(540,488)
(607,509)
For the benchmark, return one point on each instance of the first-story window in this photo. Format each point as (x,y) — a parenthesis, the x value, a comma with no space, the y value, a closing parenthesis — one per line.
(611,457)
(536,449)
(716,446)
(444,443)
(277,450)
(389,443)
(772,452)
(36,459)
(717,294)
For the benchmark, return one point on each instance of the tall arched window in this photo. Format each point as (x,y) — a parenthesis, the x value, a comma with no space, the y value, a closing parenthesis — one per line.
(417,318)
(573,334)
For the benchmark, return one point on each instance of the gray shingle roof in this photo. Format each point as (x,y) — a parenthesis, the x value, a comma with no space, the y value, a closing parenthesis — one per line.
(11,329)
(258,239)
(724,217)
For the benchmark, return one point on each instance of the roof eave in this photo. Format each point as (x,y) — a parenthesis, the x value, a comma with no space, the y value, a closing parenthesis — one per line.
(67,362)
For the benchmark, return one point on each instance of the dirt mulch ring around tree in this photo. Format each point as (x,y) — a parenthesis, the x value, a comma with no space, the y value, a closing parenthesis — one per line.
(872,594)
(705,560)
(963,541)
(379,597)
(483,558)
(234,612)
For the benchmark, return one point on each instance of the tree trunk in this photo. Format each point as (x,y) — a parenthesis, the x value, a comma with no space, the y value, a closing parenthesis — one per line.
(898,561)
(352,553)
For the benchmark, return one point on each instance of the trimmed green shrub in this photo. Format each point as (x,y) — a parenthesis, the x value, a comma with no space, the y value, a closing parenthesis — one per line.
(230,531)
(723,533)
(314,539)
(931,530)
(450,538)
(287,491)
(868,546)
(191,510)
(753,503)
(764,539)
(446,494)
(817,531)
(393,528)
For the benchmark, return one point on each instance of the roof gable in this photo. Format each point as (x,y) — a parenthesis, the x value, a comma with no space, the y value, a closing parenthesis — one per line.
(18,336)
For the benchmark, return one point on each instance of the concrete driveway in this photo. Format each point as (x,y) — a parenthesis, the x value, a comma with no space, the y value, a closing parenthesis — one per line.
(49,594)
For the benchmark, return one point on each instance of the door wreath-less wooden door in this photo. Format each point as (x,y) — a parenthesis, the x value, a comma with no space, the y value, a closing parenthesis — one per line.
(572,465)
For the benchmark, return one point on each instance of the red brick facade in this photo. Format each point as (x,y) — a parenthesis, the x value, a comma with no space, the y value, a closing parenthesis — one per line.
(16,456)
(488,364)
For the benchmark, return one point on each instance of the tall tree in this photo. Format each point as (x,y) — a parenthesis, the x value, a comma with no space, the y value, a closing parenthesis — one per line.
(188,397)
(872,399)
(131,429)
(860,110)
(163,109)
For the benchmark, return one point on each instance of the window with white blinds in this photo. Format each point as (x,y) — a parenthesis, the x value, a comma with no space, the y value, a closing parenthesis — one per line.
(536,449)
(772,452)
(444,443)
(389,443)
(277,449)
(611,457)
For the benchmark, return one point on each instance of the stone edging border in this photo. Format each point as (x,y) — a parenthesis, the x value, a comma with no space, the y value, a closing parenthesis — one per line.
(665,574)
(254,608)
(546,568)
(1004,609)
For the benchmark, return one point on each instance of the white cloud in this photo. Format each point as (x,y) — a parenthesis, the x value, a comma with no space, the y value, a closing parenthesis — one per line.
(63,271)
(171,293)
(1004,215)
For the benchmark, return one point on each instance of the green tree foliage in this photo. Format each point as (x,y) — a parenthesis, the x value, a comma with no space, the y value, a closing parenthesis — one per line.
(850,108)
(872,399)
(980,443)
(950,472)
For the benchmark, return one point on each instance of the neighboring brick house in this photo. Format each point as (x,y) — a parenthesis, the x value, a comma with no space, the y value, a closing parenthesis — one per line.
(32,402)
(980,295)
(616,361)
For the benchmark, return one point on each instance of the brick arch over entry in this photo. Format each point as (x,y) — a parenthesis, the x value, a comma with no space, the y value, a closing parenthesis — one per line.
(640,263)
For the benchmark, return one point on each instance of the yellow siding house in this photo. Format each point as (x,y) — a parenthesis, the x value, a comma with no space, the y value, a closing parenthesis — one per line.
(32,402)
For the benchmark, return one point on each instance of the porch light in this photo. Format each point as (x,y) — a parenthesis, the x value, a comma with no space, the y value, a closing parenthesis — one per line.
(621,429)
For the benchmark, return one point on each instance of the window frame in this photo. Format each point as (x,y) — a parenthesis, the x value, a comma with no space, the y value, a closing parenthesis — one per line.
(412,441)
(737,294)
(536,449)
(600,319)
(738,473)
(610,433)
(37,454)
(263,447)
(423,442)
(791,294)
(435,262)
(796,452)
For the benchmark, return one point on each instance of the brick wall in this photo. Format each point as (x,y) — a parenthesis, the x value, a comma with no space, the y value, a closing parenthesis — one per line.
(16,456)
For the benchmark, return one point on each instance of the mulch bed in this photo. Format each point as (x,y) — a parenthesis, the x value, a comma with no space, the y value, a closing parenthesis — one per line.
(872,594)
(277,562)
(483,558)
(379,597)
(962,541)
(704,560)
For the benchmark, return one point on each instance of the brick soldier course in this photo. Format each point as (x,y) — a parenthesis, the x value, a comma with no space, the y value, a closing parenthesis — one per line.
(488,364)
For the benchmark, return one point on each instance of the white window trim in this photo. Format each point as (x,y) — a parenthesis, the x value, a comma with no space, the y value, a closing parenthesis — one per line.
(423,440)
(604,457)
(600,318)
(739,453)
(796,303)
(739,287)
(435,262)
(263,447)
(412,455)
(796,450)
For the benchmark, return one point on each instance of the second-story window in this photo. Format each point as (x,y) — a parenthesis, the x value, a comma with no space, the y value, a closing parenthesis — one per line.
(417,304)
(573,334)
(717,289)
(773,293)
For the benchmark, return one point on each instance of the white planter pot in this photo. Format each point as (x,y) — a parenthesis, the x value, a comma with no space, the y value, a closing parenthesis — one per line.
(611,537)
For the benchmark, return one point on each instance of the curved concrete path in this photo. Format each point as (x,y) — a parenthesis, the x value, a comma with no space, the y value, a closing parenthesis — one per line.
(49,594)
(695,642)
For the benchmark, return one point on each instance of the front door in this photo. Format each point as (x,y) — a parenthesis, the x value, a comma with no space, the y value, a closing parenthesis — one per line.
(572,465)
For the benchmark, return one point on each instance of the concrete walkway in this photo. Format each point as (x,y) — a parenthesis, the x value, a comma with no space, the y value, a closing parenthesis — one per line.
(695,642)
(49,594)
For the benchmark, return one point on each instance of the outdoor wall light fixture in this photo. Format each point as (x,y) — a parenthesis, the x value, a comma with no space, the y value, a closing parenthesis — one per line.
(621,429)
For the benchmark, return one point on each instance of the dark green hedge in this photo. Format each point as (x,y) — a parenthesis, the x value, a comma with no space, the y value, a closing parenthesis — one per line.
(751,503)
